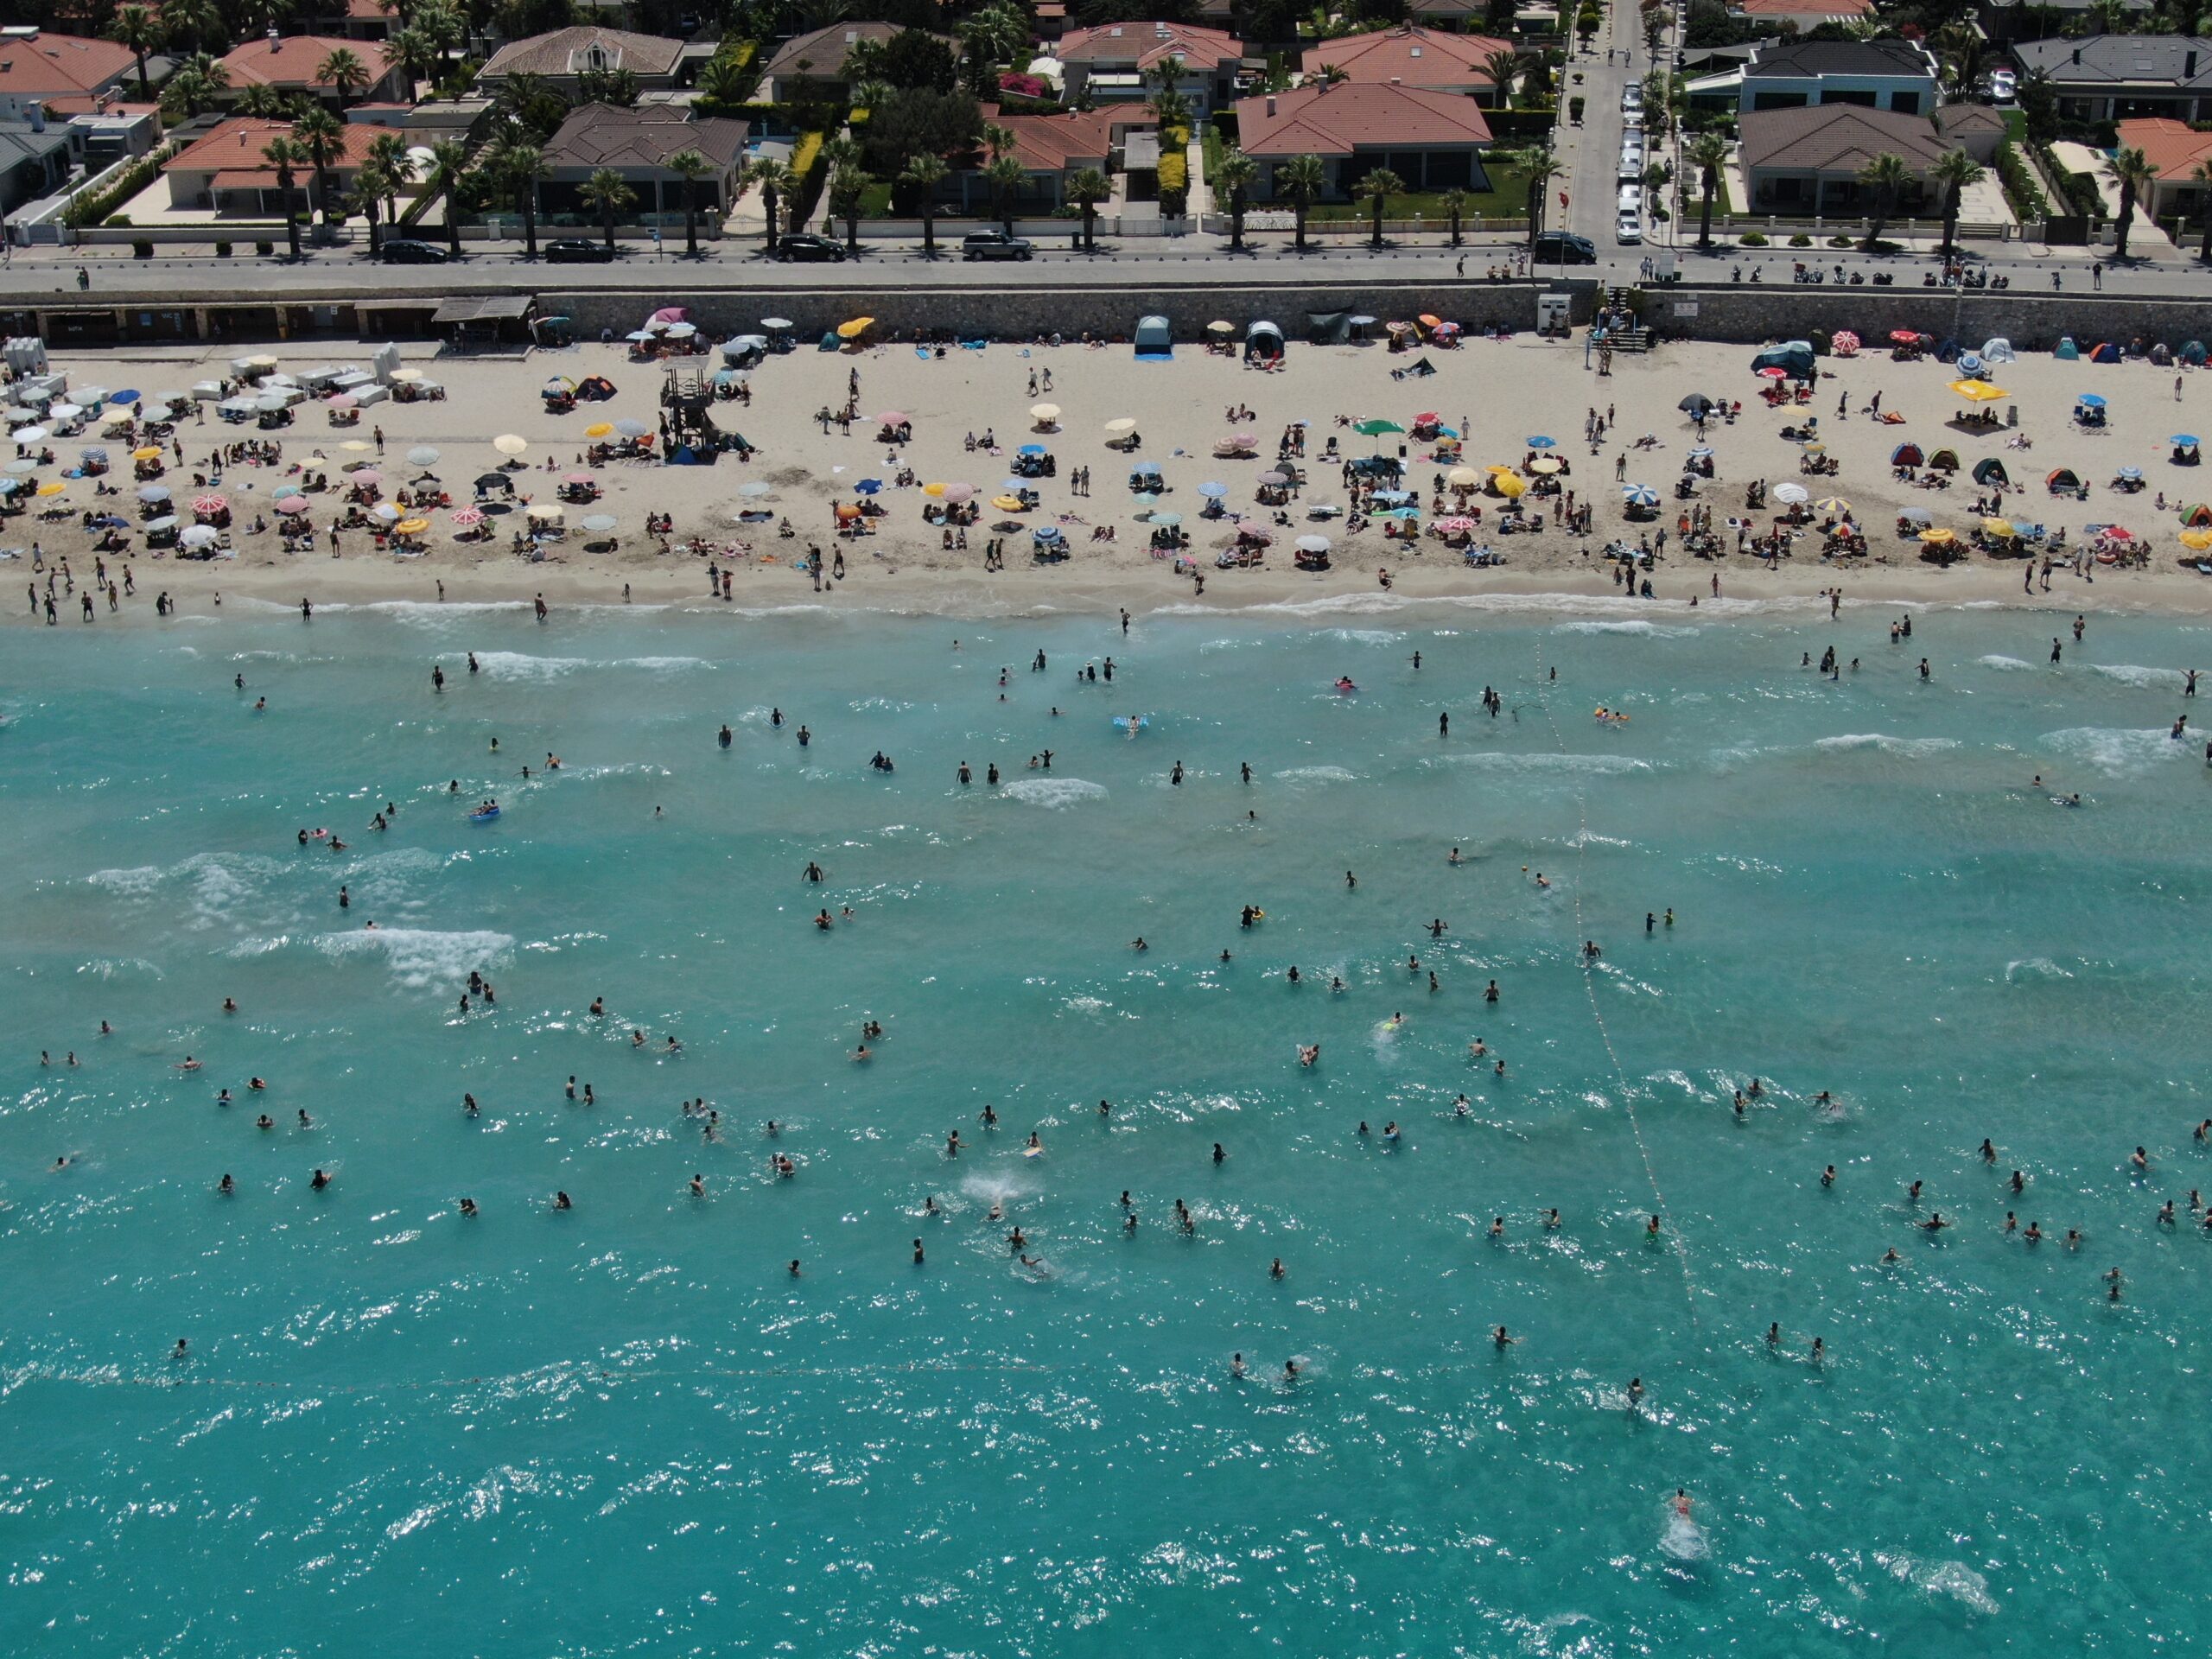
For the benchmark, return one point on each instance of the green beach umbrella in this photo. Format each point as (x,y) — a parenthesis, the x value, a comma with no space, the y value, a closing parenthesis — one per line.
(1376,428)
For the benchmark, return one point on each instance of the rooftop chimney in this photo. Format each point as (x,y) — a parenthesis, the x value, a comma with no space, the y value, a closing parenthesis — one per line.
(1271,103)
(276,40)
(2189,67)
(2077,55)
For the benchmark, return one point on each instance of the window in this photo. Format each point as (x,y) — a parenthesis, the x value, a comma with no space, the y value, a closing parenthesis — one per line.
(1858,96)
(1905,103)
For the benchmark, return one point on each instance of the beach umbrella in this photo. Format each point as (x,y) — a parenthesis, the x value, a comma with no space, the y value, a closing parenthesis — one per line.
(598,522)
(89,397)
(1772,371)
(494,481)
(1462,478)
(1814,447)
(64,412)
(201,536)
(575,477)
(775,322)
(855,328)
(387,512)
(1045,414)
(1696,404)
(1978,391)
(407,376)
(167,521)
(2196,540)
(1507,486)
(1937,537)
(2182,441)
(1272,478)
(30,435)
(367,475)
(546,511)
(1313,544)
(150,451)
(1145,499)
(1376,428)
(1834,504)
(343,400)
(211,504)
(469,517)
(1008,504)
(283,491)
(355,446)
(599,429)
(890,417)
(293,504)
(632,428)
(753,491)
(1998,527)
(506,443)
(1252,529)
(1843,342)
(1701,451)
(1544,466)
(53,486)
(1541,442)
(21,464)
(411,526)
(959,493)
(2131,472)
(1219,327)
(933,489)
(421,456)
(869,486)
(681,330)
(1121,427)
(1169,519)
(1792,495)
(1212,490)
(2091,400)
(1031,450)
(155,493)
(2116,533)
(640,336)
(96,452)
(1639,495)
(1915,516)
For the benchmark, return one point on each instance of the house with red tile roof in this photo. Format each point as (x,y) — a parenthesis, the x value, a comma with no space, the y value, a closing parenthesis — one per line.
(1433,141)
(1052,150)
(1116,62)
(1426,59)
(226,172)
(2176,150)
(293,63)
(37,66)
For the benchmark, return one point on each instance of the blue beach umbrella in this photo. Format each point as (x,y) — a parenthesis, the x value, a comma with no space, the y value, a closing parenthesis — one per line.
(1216,490)
(1030,450)
(2187,439)
(1639,495)
(2131,472)
(2090,400)
(1170,519)
(130,397)
(1144,466)
(1542,443)
(1145,499)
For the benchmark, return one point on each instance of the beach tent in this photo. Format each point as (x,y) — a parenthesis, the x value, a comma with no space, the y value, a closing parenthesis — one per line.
(2105,352)
(2192,353)
(1262,342)
(1990,470)
(1793,357)
(1820,342)
(2197,516)
(1947,351)
(1944,460)
(1154,338)
(1999,349)
(2068,351)
(2063,479)
(1328,327)
(1906,455)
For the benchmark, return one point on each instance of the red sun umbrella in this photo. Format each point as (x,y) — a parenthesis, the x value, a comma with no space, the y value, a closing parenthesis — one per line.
(891,418)
(1901,336)
(213,504)
(1429,418)
(1773,373)
(2114,533)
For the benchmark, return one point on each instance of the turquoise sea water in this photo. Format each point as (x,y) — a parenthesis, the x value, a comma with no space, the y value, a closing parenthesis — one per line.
(627,1429)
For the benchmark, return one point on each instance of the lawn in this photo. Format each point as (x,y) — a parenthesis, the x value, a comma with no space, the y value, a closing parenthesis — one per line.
(1507,198)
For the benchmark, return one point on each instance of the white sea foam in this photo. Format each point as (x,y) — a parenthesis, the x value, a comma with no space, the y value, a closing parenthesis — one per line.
(1952,1579)
(2116,751)
(2004,664)
(1913,747)
(1317,775)
(1364,636)
(1542,762)
(422,957)
(2034,968)
(1647,629)
(118,967)
(1058,793)
(219,881)
(134,883)
(521,665)
(2144,679)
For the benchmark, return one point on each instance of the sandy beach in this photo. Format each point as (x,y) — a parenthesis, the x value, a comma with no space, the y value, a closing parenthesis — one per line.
(1508,390)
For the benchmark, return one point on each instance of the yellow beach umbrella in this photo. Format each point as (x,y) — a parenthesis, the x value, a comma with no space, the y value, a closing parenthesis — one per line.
(1509,486)
(151,452)
(356,446)
(508,444)
(1937,537)
(1834,504)
(1998,527)
(933,489)
(2197,540)
(52,486)
(1496,467)
(855,328)
(1008,504)
(599,429)
(1978,391)
(412,526)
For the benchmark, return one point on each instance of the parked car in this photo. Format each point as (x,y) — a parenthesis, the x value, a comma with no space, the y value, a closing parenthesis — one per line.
(804,247)
(403,252)
(1630,227)
(574,250)
(993,244)
(2004,86)
(1564,248)
(1631,97)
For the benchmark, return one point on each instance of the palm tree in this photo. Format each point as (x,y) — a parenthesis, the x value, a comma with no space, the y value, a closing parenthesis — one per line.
(1005,176)
(1167,101)
(343,70)
(1500,66)
(2203,174)
(196,86)
(1303,179)
(395,169)
(414,51)
(607,192)
(998,140)
(1234,173)
(322,138)
(1708,153)
(200,22)
(284,154)
(448,161)
(847,191)
(925,172)
(372,185)
(1886,175)
(1329,74)
(775,178)
(1954,170)
(521,165)
(690,166)
(1376,188)
(1454,202)
(265,102)
(1087,187)
(136,28)
(1542,167)
(2132,171)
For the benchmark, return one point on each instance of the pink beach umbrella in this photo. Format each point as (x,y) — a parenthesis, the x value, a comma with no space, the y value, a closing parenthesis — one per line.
(293,504)
(467,517)
(212,504)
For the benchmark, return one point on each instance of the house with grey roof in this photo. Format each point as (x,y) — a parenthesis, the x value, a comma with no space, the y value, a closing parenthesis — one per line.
(2116,77)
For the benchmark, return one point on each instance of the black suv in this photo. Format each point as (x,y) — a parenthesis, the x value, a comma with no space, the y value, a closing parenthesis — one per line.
(993,244)
(401,251)
(576,252)
(810,248)
(1563,248)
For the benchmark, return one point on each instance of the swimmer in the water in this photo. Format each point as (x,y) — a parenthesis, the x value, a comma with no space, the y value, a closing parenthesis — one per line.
(1309,1053)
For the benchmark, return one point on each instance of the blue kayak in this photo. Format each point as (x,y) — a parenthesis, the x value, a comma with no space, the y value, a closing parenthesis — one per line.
(484,815)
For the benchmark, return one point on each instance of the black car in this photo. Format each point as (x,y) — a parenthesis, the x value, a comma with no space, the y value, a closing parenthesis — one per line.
(401,251)
(810,248)
(993,244)
(1563,248)
(576,251)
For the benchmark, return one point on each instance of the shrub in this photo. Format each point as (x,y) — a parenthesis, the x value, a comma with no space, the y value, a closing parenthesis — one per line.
(222,250)
(1025,86)
(120,221)
(265,249)
(142,249)
(2020,187)
(1752,239)
(1801,240)
(1575,110)
(1838,241)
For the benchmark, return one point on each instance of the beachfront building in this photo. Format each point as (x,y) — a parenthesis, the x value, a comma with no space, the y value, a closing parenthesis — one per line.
(2176,149)
(1116,63)
(1411,56)
(36,65)
(1433,141)
(2119,77)
(225,174)
(1053,149)
(817,60)
(563,58)
(1893,74)
(2006,21)
(1804,15)
(35,160)
(637,144)
(293,64)
(1807,161)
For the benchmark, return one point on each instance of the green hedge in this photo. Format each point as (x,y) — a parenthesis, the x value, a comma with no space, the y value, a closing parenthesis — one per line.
(2025,195)
(94,209)
(1505,124)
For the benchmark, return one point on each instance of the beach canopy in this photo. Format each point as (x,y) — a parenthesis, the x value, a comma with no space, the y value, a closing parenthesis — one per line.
(2196,515)
(2063,479)
(1906,455)
(1944,460)
(1793,357)
(1154,336)
(1978,391)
